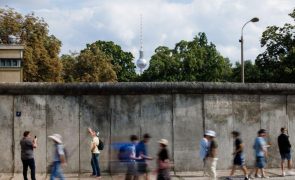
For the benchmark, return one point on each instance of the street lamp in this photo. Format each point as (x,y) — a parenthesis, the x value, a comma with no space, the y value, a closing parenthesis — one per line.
(255,19)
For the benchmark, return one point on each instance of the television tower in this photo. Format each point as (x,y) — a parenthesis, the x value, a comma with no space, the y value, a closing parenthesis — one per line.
(141,62)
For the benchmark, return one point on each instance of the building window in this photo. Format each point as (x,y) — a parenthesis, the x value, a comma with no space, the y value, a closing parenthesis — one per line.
(10,63)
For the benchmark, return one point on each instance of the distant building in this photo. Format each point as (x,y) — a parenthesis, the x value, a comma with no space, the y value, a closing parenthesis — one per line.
(11,57)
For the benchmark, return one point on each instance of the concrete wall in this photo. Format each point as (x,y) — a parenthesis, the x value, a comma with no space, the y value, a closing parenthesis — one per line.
(179,112)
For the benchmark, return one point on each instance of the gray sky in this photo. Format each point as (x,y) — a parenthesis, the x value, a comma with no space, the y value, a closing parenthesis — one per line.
(165,22)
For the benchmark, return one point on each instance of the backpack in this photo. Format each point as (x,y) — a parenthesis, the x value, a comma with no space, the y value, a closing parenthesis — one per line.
(124,153)
(100,146)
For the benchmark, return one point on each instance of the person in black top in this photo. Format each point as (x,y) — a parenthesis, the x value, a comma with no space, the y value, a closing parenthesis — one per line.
(285,149)
(28,144)
(239,158)
(163,161)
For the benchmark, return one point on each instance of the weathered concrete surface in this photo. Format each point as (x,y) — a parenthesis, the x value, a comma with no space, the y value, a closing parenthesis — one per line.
(246,120)
(273,117)
(62,117)
(94,113)
(291,118)
(156,119)
(179,112)
(125,114)
(135,88)
(219,117)
(33,118)
(6,134)
(188,129)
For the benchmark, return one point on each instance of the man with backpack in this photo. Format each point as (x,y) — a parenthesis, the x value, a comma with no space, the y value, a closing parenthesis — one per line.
(59,158)
(94,152)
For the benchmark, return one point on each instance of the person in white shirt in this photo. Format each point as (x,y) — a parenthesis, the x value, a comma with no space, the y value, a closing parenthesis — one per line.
(94,152)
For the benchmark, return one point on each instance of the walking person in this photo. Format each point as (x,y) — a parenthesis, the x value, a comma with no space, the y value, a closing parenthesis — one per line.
(59,158)
(163,161)
(211,159)
(142,151)
(285,150)
(131,173)
(260,147)
(94,153)
(204,148)
(239,157)
(28,144)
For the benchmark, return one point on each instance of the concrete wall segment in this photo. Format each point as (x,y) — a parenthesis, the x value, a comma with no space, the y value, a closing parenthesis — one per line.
(273,117)
(94,113)
(136,88)
(6,134)
(179,112)
(33,119)
(219,117)
(188,130)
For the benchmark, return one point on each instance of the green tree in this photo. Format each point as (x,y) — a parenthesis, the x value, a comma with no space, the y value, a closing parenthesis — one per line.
(277,62)
(69,62)
(41,61)
(252,74)
(121,60)
(91,65)
(195,60)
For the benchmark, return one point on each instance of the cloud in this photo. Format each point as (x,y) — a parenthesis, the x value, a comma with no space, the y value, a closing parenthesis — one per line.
(165,22)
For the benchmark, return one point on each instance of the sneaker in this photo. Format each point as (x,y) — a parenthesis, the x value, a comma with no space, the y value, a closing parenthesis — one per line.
(265,177)
(283,174)
(246,178)
(257,176)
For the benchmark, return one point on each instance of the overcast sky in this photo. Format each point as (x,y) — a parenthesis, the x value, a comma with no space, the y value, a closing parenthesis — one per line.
(165,22)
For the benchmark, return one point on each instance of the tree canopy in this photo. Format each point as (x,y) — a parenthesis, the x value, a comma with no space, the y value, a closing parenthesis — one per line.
(121,60)
(41,61)
(277,62)
(91,65)
(196,60)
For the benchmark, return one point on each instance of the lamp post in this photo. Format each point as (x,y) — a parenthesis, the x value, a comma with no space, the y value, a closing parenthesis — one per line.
(255,19)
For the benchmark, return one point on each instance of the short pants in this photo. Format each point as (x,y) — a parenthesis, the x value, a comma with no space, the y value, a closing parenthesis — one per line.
(260,162)
(286,156)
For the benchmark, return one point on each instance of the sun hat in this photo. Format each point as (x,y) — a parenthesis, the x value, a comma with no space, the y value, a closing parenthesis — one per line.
(210,133)
(164,142)
(56,137)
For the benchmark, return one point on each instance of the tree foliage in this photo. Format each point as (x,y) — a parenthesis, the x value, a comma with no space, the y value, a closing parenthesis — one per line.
(252,74)
(91,65)
(277,62)
(196,60)
(121,60)
(41,61)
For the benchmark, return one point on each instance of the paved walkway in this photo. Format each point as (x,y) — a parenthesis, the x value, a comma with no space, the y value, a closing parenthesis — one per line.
(274,174)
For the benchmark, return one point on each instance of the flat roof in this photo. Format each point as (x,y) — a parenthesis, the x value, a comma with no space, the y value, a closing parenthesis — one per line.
(12,46)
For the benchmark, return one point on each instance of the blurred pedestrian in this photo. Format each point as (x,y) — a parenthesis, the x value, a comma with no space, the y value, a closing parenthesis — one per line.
(59,158)
(260,147)
(28,144)
(94,152)
(239,157)
(285,150)
(142,151)
(211,159)
(204,147)
(163,161)
(131,173)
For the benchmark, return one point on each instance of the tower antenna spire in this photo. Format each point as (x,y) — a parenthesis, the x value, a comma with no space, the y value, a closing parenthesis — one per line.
(141,38)
(141,62)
